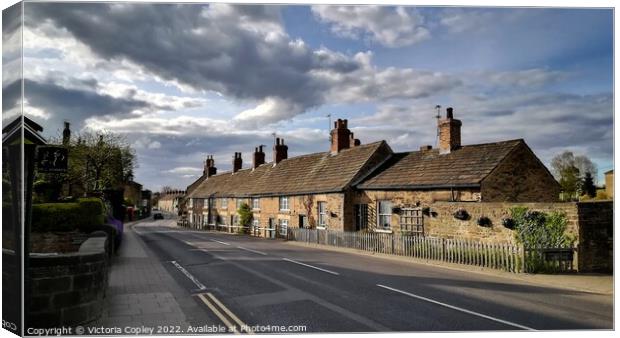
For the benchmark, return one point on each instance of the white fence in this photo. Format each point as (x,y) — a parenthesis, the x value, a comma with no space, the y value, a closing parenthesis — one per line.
(460,251)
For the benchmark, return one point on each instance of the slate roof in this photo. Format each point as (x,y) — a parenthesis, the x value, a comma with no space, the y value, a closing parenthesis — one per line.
(464,167)
(312,173)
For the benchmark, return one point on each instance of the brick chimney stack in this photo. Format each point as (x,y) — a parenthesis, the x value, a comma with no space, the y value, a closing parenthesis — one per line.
(210,168)
(280,151)
(66,134)
(259,157)
(341,137)
(237,162)
(449,133)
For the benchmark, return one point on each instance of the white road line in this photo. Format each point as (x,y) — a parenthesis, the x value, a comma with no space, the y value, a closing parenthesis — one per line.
(189,275)
(220,242)
(250,250)
(311,266)
(458,308)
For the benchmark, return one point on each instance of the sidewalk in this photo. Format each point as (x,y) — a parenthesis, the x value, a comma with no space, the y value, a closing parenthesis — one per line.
(141,292)
(593,283)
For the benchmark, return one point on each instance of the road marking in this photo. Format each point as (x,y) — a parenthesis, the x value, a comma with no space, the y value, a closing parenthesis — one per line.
(311,266)
(458,308)
(217,312)
(189,275)
(214,240)
(242,325)
(250,250)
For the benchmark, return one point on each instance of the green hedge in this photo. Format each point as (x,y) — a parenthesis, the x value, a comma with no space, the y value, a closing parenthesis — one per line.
(84,215)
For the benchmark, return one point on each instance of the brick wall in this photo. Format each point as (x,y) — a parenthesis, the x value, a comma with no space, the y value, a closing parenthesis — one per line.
(521,177)
(68,289)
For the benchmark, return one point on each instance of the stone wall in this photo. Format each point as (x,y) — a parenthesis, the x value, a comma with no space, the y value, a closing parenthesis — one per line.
(443,224)
(68,289)
(596,236)
(521,177)
(270,209)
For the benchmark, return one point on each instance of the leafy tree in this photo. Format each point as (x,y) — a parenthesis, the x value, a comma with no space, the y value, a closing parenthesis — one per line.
(245,215)
(570,182)
(568,170)
(97,161)
(588,187)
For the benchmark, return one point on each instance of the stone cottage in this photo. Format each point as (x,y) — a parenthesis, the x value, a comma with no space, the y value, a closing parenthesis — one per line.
(354,187)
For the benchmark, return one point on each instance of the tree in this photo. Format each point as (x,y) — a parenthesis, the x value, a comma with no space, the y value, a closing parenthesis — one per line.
(570,181)
(568,168)
(588,187)
(245,215)
(97,161)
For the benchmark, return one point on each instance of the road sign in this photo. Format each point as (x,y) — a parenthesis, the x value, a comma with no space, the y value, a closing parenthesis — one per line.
(52,159)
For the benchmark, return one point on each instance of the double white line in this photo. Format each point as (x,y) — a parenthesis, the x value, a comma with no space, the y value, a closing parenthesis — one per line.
(224,314)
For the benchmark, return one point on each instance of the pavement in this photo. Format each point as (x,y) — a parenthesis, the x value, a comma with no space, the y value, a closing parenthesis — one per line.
(270,286)
(142,294)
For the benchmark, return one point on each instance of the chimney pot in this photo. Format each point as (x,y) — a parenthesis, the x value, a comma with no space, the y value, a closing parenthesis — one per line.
(449,113)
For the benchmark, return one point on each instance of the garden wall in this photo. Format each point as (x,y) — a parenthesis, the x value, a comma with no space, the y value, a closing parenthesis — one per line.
(68,289)
(596,236)
(590,223)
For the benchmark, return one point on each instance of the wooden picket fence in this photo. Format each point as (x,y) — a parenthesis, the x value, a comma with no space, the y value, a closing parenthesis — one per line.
(501,256)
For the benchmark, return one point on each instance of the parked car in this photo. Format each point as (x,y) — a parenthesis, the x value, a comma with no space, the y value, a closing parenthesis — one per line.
(158,215)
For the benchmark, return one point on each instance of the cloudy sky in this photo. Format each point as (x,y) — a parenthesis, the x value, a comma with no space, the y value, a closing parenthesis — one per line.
(183,81)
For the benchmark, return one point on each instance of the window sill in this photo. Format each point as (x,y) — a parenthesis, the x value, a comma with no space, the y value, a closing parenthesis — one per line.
(321,228)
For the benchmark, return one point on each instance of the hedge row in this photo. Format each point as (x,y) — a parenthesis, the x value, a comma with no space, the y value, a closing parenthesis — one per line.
(85,215)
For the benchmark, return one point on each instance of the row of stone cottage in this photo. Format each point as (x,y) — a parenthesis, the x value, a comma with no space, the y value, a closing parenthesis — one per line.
(356,186)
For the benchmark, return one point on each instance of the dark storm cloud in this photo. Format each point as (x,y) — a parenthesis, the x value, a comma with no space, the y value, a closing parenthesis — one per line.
(236,50)
(77,103)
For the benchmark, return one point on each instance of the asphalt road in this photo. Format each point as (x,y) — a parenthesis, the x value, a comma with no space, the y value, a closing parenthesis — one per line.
(267,283)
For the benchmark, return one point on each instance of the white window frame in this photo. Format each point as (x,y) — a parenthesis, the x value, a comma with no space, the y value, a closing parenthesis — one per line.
(256,223)
(240,202)
(322,212)
(224,203)
(283,200)
(380,215)
(283,225)
(255,203)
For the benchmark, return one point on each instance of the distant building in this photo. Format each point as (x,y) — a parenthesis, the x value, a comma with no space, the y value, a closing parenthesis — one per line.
(355,187)
(169,200)
(609,184)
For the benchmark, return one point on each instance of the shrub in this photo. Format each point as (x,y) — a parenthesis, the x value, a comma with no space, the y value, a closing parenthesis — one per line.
(535,228)
(84,215)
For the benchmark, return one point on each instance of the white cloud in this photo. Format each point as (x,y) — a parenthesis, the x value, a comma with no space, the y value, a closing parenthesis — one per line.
(184,170)
(389,26)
